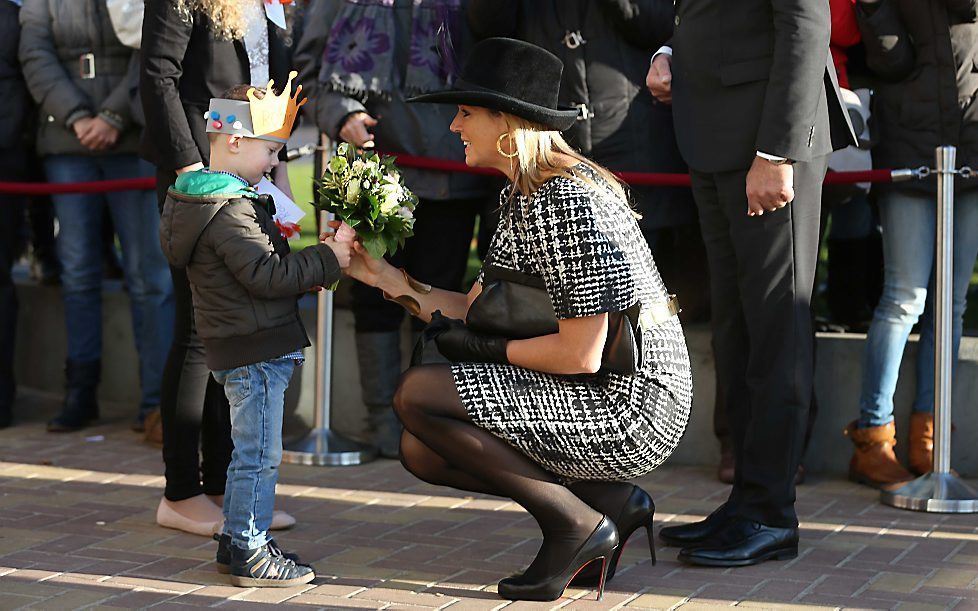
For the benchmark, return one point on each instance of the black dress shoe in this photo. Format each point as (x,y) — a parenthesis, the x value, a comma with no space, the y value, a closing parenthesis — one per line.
(596,548)
(697,532)
(743,542)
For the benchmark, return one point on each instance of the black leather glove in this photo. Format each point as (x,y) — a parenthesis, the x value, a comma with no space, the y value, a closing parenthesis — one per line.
(460,345)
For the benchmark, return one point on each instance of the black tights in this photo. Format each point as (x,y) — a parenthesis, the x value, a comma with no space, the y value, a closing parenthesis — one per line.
(442,446)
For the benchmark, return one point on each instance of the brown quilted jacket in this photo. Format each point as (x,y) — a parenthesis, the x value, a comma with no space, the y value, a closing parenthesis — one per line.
(244,279)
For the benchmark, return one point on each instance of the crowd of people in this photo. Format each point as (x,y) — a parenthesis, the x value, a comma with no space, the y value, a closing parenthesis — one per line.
(755,102)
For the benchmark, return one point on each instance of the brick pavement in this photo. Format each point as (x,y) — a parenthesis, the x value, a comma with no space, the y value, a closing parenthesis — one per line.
(77,530)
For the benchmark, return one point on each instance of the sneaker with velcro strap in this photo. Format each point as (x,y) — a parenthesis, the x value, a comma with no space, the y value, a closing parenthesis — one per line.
(266,567)
(223,558)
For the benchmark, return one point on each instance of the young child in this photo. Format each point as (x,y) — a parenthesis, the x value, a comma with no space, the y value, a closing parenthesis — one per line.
(245,285)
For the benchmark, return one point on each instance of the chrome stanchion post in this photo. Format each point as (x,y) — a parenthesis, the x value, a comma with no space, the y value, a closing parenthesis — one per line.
(322,446)
(940,490)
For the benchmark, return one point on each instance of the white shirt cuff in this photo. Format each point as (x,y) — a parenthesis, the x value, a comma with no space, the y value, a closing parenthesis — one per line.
(665,49)
(770,157)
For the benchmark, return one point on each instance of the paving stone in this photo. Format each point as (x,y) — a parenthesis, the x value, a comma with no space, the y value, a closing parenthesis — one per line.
(952,578)
(658,599)
(81,532)
(271,595)
(14,601)
(896,582)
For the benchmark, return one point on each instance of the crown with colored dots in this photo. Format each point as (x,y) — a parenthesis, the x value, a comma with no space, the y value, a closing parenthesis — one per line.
(268,118)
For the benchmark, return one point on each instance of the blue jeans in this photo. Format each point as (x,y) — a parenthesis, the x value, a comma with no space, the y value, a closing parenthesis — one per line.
(136,219)
(909,227)
(257,397)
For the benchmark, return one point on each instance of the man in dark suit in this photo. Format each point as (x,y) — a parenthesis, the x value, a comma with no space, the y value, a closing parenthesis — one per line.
(757,112)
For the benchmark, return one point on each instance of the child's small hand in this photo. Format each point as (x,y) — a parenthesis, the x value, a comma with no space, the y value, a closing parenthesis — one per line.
(345,233)
(340,231)
(343,251)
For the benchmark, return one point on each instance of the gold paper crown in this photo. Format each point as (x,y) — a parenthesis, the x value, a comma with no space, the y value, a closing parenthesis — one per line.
(273,115)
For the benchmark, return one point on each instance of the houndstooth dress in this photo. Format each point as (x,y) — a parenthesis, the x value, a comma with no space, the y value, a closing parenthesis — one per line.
(587,247)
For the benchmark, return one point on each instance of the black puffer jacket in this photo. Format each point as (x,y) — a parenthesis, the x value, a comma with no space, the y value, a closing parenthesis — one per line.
(629,131)
(244,280)
(925,53)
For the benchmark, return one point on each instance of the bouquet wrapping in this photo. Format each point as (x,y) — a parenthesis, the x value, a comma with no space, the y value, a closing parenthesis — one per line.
(367,192)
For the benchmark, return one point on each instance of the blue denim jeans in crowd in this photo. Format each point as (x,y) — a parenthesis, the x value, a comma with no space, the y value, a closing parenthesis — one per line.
(79,243)
(909,227)
(257,397)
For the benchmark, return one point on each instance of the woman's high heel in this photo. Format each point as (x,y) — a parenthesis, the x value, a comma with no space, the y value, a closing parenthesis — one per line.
(596,550)
(638,512)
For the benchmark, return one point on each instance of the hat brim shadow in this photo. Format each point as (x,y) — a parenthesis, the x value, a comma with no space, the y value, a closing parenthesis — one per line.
(557,120)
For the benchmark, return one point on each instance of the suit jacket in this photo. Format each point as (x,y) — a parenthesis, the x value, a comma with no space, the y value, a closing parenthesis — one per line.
(184,65)
(755,75)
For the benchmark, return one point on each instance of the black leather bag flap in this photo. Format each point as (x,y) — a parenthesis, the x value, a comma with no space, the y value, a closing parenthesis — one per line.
(513,305)
(517,306)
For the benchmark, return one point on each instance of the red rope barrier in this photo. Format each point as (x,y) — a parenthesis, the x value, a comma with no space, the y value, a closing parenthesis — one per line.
(425,163)
(848,178)
(632,178)
(98,186)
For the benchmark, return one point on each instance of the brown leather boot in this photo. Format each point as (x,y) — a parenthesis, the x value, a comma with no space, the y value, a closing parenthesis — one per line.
(921,442)
(874,463)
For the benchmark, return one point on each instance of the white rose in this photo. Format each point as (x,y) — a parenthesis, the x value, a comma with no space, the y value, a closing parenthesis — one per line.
(353,191)
(391,201)
(405,213)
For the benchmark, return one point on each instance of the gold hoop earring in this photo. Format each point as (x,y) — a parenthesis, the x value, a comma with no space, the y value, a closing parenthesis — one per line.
(499,146)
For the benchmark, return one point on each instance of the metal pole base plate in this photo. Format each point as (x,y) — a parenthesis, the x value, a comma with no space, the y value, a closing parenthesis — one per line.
(934,493)
(323,447)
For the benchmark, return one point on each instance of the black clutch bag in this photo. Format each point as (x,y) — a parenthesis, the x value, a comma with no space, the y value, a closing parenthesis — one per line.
(515,305)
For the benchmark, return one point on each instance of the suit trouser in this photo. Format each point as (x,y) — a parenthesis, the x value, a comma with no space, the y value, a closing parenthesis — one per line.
(762,271)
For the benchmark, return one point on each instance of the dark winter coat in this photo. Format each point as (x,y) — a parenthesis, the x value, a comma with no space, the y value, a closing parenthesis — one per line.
(925,53)
(56,39)
(184,65)
(243,278)
(13,90)
(413,129)
(629,131)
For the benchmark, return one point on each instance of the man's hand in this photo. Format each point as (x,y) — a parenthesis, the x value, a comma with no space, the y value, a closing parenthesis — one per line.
(355,131)
(770,186)
(99,135)
(659,78)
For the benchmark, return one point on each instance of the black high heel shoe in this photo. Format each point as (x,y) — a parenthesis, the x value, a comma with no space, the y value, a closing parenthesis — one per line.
(638,512)
(596,549)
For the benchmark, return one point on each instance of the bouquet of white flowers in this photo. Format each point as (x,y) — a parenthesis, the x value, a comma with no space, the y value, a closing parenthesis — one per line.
(367,192)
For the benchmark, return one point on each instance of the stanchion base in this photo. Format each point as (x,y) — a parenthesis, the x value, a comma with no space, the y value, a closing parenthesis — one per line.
(934,493)
(323,447)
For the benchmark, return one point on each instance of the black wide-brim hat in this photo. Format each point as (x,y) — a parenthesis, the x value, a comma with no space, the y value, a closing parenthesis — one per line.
(511,76)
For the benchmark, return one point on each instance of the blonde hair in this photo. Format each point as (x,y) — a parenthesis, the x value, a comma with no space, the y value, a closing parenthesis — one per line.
(230,17)
(536,159)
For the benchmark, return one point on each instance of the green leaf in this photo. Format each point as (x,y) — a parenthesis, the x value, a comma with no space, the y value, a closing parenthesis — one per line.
(375,246)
